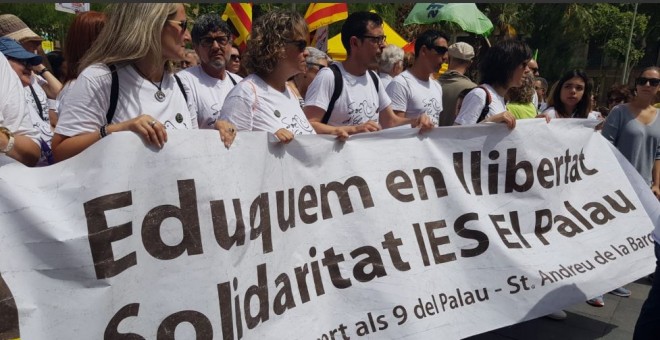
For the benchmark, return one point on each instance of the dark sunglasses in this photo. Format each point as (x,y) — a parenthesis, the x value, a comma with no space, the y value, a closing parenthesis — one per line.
(182,23)
(320,66)
(441,50)
(300,44)
(24,62)
(208,41)
(651,81)
(377,39)
(235,57)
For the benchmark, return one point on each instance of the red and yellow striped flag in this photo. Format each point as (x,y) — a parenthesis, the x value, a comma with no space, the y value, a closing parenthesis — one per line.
(323,14)
(239,18)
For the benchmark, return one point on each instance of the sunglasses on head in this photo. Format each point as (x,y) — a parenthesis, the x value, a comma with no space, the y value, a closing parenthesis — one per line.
(439,49)
(300,44)
(651,81)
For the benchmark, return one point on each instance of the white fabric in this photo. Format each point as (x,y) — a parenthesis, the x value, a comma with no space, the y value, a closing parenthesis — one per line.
(39,122)
(66,88)
(535,100)
(84,108)
(253,105)
(206,93)
(414,96)
(552,113)
(348,200)
(474,102)
(13,107)
(358,101)
(385,78)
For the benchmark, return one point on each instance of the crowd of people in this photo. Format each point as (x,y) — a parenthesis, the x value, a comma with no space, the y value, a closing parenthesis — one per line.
(129,69)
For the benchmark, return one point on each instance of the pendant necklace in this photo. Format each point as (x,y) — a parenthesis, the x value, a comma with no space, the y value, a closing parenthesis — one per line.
(159,95)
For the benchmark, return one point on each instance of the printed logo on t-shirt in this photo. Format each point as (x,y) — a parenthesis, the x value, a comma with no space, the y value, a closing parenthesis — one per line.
(359,113)
(297,125)
(433,109)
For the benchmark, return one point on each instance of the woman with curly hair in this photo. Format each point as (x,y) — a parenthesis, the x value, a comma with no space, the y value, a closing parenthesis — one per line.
(520,98)
(263,101)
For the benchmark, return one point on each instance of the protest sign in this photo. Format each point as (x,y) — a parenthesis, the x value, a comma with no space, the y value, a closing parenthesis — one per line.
(389,235)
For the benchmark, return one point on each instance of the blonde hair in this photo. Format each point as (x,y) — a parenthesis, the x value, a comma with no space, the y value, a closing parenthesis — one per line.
(132,32)
(268,38)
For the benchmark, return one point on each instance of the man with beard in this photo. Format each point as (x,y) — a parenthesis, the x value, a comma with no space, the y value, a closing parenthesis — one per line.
(346,98)
(208,83)
(414,92)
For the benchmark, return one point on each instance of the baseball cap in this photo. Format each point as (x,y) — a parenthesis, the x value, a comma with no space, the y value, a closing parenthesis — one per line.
(12,49)
(13,27)
(461,50)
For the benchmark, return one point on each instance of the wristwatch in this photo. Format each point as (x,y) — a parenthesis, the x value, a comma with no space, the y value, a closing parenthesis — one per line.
(10,137)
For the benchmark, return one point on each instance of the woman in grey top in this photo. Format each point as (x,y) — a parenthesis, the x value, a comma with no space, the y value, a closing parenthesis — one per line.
(634,128)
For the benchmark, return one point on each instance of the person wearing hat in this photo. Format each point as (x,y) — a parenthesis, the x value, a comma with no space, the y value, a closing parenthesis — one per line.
(22,61)
(454,81)
(44,83)
(18,138)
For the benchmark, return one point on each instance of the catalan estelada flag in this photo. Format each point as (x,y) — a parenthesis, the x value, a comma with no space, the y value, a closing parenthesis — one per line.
(323,14)
(239,17)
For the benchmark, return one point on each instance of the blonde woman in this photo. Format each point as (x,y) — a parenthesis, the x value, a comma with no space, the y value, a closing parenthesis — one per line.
(263,101)
(136,48)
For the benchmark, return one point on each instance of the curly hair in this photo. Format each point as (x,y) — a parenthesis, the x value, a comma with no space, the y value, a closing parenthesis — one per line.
(525,93)
(270,32)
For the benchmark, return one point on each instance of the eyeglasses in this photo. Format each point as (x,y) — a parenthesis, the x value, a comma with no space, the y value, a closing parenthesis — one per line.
(300,44)
(377,39)
(182,23)
(643,80)
(441,50)
(320,66)
(235,57)
(208,41)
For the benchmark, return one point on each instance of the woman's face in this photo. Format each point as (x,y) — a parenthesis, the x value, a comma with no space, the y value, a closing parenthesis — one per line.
(22,69)
(295,51)
(646,89)
(518,73)
(572,91)
(175,35)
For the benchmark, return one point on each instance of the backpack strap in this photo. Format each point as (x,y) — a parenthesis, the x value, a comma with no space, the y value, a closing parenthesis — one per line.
(339,83)
(114,94)
(38,102)
(374,77)
(178,81)
(486,108)
(233,81)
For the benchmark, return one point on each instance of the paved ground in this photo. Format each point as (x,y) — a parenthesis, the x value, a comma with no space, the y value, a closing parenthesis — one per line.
(615,321)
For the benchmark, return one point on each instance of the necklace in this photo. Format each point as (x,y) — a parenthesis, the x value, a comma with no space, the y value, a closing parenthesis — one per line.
(159,95)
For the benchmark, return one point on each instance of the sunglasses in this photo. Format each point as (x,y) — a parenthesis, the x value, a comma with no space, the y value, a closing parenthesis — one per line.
(182,23)
(23,62)
(377,39)
(300,44)
(208,41)
(235,57)
(643,80)
(320,66)
(441,50)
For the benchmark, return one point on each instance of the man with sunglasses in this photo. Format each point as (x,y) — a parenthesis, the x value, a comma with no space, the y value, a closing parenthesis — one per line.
(208,83)
(362,105)
(414,92)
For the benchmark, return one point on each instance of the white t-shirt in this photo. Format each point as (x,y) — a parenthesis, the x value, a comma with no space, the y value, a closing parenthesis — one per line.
(474,102)
(84,108)
(552,113)
(40,120)
(253,105)
(358,101)
(414,96)
(385,79)
(206,93)
(13,108)
(63,93)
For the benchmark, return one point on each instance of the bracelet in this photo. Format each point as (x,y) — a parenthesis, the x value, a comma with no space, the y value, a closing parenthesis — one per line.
(41,73)
(102,131)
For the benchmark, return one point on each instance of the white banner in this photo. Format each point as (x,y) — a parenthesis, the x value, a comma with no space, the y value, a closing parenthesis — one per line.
(388,235)
(72,7)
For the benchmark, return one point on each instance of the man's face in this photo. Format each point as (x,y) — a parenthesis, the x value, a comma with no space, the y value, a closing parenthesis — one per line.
(436,54)
(534,67)
(189,61)
(540,90)
(214,49)
(370,45)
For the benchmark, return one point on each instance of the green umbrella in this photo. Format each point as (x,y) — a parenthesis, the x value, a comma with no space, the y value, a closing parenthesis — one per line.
(465,15)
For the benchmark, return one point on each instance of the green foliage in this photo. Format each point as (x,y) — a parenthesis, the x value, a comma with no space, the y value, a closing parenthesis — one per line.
(612,29)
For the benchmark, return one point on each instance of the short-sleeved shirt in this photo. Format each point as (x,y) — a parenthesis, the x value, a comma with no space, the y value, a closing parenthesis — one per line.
(84,108)
(358,102)
(207,94)
(415,96)
(40,119)
(474,102)
(253,105)
(13,108)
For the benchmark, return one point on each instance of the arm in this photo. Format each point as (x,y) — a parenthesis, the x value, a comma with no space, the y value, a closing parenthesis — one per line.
(505,117)
(656,178)
(389,119)
(54,86)
(25,150)
(315,116)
